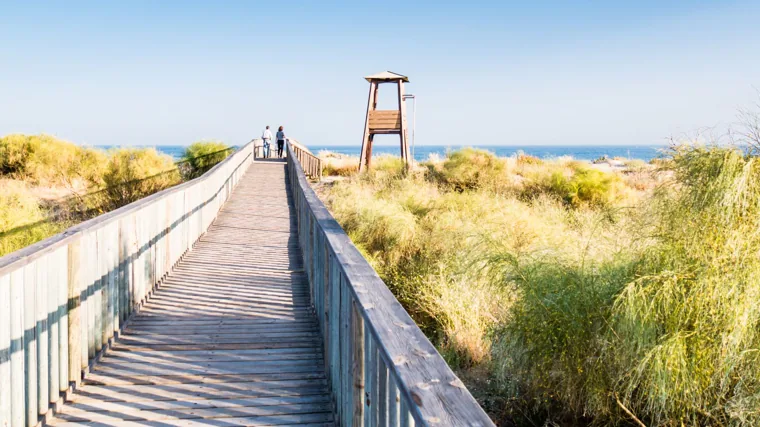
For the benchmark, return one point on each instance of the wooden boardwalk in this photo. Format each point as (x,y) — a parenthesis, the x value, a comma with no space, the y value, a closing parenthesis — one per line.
(228,338)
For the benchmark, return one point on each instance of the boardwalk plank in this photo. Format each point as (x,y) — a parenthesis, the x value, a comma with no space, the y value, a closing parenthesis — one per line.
(229,337)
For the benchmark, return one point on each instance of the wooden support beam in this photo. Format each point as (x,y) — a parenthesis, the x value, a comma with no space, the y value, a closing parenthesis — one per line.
(366,153)
(403,133)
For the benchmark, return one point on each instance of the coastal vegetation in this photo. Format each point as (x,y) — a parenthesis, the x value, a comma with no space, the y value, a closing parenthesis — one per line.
(201,156)
(48,185)
(572,293)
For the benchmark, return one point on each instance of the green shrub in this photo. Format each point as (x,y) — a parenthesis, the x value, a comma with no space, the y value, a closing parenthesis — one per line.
(386,170)
(133,173)
(576,317)
(689,328)
(45,160)
(17,205)
(470,168)
(14,153)
(22,220)
(202,156)
(635,165)
(525,159)
(586,186)
(666,328)
(333,169)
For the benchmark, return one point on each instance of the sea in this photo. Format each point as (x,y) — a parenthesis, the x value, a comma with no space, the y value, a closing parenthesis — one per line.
(422,152)
(581,152)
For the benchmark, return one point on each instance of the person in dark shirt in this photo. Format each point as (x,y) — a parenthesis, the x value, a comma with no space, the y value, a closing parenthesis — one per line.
(281,138)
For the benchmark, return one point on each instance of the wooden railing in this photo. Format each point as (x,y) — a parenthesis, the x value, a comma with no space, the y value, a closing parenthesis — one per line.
(382,370)
(310,164)
(64,299)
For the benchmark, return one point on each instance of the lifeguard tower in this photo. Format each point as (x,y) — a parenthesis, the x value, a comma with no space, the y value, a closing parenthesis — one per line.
(384,122)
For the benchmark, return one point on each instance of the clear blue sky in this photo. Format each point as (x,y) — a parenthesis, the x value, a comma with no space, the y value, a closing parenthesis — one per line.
(519,73)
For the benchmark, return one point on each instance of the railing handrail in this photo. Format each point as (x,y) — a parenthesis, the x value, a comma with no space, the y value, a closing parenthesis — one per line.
(311,165)
(428,388)
(29,253)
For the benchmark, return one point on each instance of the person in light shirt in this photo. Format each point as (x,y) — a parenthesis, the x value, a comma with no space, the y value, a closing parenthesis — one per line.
(266,136)
(281,138)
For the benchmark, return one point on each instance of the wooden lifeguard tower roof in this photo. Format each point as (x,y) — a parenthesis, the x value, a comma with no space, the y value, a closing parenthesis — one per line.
(387,76)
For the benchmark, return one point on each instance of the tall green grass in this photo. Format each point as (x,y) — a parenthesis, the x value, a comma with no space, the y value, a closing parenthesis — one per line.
(575,296)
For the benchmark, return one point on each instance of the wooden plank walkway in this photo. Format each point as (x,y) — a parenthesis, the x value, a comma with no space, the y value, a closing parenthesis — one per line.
(228,339)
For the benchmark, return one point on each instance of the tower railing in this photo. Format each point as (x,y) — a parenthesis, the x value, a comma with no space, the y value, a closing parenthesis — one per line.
(381,368)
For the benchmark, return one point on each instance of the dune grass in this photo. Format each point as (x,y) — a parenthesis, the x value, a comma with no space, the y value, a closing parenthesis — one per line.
(49,161)
(94,180)
(22,219)
(578,295)
(335,164)
(203,155)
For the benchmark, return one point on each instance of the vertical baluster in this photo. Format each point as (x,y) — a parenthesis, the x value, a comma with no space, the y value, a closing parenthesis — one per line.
(90,265)
(99,302)
(43,340)
(406,419)
(382,391)
(84,315)
(335,337)
(359,350)
(30,342)
(370,380)
(88,271)
(53,334)
(105,265)
(75,313)
(17,349)
(113,278)
(138,265)
(153,224)
(63,319)
(123,282)
(5,350)
(393,401)
(346,341)
(326,303)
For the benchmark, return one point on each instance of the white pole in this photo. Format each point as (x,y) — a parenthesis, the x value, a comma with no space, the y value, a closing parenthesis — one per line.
(414,126)
(414,120)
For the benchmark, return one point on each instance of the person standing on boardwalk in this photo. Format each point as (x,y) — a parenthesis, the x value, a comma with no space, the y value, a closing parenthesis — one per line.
(281,138)
(266,136)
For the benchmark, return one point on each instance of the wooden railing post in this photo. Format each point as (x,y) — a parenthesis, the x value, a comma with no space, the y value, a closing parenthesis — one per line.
(30,343)
(5,350)
(17,357)
(358,341)
(74,320)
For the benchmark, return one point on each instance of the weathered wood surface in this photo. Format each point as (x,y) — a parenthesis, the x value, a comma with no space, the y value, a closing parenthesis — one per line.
(228,338)
(385,119)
